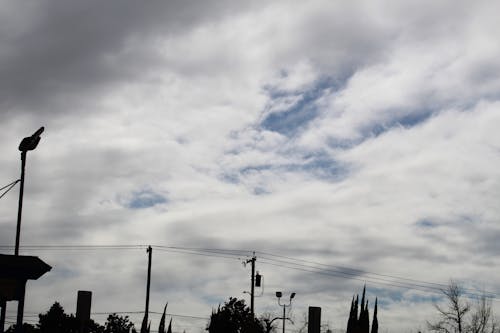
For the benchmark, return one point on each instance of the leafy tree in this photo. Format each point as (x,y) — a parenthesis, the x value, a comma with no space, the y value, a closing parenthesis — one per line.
(234,317)
(118,324)
(27,328)
(56,321)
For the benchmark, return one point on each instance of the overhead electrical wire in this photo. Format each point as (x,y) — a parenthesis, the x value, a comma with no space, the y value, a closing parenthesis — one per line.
(353,270)
(275,260)
(9,187)
(362,276)
(34,314)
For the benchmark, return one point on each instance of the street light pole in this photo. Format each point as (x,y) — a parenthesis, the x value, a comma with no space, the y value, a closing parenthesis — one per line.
(279,294)
(28,143)
(284,316)
(20,206)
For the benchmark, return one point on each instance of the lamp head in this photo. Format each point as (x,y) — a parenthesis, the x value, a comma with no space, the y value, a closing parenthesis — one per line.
(30,142)
(292,295)
(279,294)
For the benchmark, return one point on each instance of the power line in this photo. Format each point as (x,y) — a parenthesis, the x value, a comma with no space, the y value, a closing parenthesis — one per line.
(348,275)
(353,270)
(34,314)
(421,286)
(275,260)
(77,247)
(151,312)
(10,186)
(198,253)
(341,275)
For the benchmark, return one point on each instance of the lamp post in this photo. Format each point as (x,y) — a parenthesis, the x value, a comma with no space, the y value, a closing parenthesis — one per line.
(28,143)
(279,294)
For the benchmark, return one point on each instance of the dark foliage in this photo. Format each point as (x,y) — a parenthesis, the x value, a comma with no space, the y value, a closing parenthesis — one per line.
(234,317)
(118,324)
(57,321)
(27,328)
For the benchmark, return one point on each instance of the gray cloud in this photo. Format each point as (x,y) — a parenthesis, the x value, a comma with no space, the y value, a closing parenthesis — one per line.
(59,54)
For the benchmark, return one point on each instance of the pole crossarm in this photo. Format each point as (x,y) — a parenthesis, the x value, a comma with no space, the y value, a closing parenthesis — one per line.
(281,318)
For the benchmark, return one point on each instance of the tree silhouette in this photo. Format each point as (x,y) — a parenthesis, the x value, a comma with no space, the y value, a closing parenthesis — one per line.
(460,316)
(234,317)
(451,318)
(118,324)
(56,321)
(361,323)
(27,328)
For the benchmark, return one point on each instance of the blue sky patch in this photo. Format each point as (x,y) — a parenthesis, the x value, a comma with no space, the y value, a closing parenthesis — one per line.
(407,121)
(145,199)
(386,296)
(319,165)
(343,143)
(426,223)
(414,119)
(300,113)
(325,167)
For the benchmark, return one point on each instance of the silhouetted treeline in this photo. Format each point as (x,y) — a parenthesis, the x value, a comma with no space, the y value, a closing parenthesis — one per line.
(57,321)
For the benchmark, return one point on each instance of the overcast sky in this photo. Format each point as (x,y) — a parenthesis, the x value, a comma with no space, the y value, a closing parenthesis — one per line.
(357,134)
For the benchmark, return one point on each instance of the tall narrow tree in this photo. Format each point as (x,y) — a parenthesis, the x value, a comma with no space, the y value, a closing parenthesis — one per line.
(363,298)
(375,320)
(169,330)
(356,317)
(352,319)
(161,328)
(365,324)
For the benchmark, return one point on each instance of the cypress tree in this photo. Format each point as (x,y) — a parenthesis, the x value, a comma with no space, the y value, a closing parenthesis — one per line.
(363,298)
(356,308)
(356,318)
(365,323)
(351,320)
(360,321)
(375,320)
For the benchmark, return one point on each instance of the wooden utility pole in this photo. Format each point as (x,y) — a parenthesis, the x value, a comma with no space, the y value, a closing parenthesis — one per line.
(146,313)
(252,282)
(148,287)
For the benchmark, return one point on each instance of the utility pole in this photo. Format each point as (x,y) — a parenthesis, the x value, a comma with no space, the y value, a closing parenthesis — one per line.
(252,283)
(146,313)
(150,255)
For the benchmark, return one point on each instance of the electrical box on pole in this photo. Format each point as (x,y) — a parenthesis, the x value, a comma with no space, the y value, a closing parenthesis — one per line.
(258,278)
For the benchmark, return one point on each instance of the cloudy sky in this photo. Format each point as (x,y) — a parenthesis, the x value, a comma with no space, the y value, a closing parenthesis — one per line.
(343,141)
